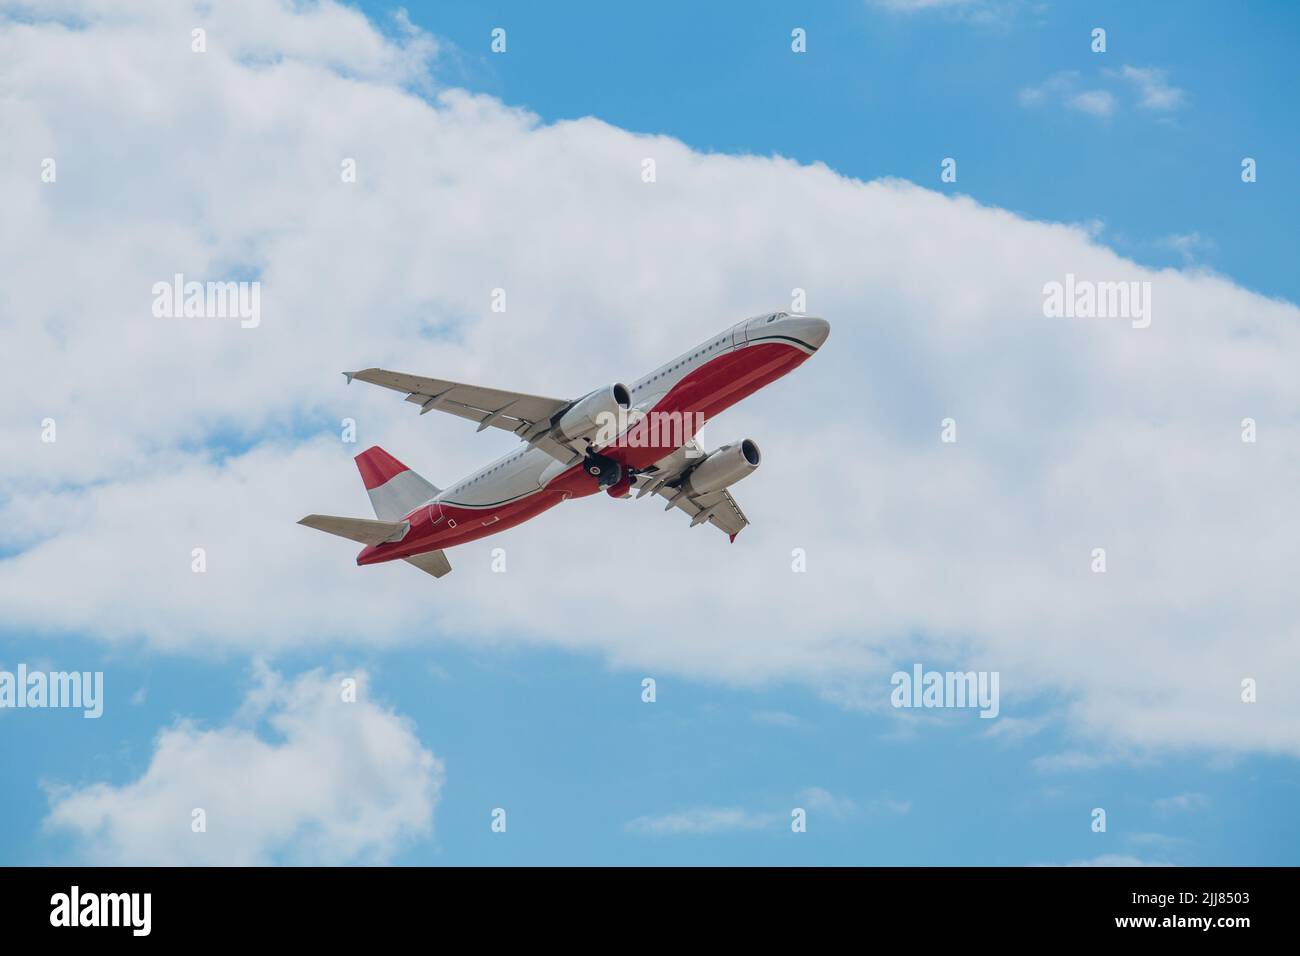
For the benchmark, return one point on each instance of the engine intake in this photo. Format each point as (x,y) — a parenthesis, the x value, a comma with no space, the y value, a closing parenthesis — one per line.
(724,467)
(599,408)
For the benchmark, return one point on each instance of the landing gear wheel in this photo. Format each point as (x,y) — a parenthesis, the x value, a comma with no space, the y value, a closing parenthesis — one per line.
(606,471)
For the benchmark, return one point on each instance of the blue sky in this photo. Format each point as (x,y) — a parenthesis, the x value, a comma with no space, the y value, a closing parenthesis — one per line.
(884,93)
(566,746)
(559,736)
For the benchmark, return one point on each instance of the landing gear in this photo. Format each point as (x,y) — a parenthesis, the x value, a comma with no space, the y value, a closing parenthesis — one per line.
(623,487)
(605,470)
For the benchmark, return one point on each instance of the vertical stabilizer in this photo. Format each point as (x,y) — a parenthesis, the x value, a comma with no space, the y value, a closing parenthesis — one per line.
(394,489)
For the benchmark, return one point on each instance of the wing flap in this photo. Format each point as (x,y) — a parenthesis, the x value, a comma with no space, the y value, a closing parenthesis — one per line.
(718,508)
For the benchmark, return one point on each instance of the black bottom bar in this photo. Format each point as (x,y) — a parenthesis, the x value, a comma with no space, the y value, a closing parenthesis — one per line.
(336,905)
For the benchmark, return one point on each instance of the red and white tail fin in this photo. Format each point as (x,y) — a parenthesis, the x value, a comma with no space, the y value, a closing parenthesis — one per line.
(394,489)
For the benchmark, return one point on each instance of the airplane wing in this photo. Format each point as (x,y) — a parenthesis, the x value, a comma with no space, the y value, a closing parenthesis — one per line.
(528,416)
(718,508)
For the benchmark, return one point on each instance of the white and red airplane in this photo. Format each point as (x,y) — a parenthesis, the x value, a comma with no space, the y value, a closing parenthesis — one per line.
(616,439)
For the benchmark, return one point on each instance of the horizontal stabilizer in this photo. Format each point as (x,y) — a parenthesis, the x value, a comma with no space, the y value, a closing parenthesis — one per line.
(361,530)
(431,562)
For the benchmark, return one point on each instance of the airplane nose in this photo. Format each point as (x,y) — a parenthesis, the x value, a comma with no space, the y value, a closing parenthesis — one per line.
(810,329)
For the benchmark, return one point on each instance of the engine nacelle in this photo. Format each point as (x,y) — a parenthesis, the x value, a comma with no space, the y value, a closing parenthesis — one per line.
(599,408)
(724,467)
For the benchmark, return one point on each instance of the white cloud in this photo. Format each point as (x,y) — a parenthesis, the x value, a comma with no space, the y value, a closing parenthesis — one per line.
(1148,88)
(912,6)
(1160,840)
(1096,102)
(818,799)
(1073,434)
(333,782)
(976,11)
(1182,802)
(1115,859)
(1154,91)
(1190,246)
(818,802)
(1076,761)
(1017,728)
(1063,89)
(702,821)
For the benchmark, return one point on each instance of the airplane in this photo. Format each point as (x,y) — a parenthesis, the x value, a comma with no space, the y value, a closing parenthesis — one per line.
(617,439)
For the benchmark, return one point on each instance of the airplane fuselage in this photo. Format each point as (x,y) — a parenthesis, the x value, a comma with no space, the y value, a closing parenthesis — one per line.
(667,407)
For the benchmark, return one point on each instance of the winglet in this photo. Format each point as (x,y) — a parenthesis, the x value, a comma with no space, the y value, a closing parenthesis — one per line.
(733,537)
(348,376)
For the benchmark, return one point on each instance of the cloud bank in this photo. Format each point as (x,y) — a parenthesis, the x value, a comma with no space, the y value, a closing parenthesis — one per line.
(333,782)
(176,434)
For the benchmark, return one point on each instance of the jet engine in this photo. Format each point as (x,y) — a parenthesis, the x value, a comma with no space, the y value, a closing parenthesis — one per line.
(599,409)
(724,467)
